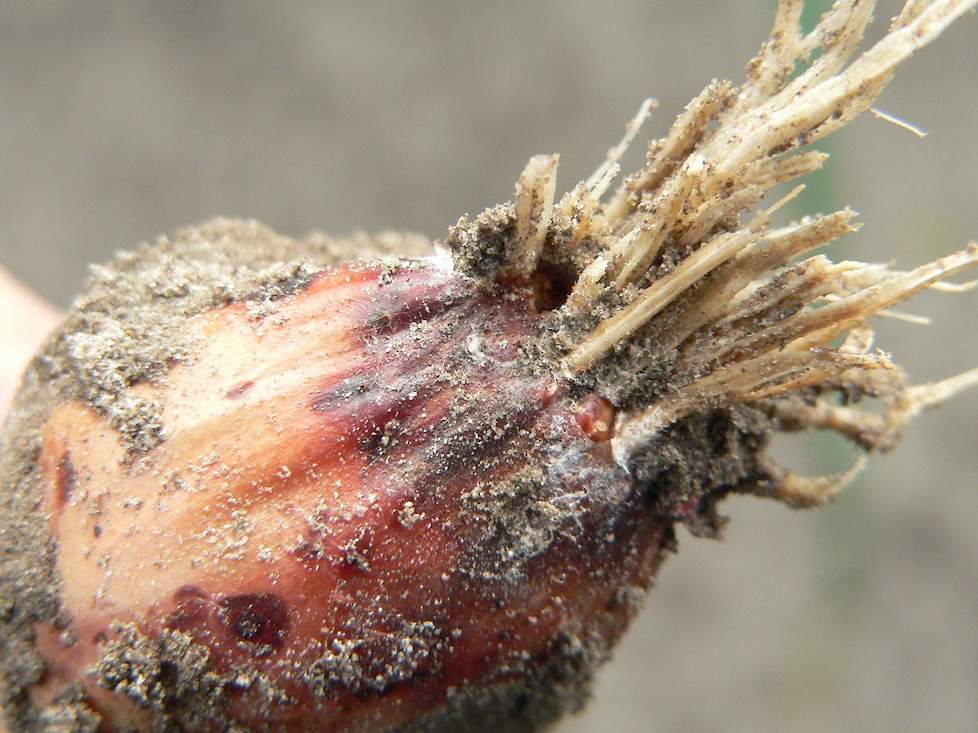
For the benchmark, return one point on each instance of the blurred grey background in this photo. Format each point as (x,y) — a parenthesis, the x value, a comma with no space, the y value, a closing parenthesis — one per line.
(120,121)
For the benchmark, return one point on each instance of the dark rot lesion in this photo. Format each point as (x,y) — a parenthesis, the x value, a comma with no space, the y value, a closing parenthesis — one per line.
(191,609)
(393,313)
(66,479)
(380,418)
(239,389)
(261,619)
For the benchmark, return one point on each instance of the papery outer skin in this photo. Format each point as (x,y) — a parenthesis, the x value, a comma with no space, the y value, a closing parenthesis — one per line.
(318,495)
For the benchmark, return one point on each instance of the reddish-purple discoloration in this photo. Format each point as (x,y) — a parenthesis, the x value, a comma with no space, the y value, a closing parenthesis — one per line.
(191,608)
(377,494)
(257,618)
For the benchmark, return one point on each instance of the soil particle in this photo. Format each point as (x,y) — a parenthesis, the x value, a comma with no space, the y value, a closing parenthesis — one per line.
(69,714)
(481,247)
(373,663)
(545,690)
(161,674)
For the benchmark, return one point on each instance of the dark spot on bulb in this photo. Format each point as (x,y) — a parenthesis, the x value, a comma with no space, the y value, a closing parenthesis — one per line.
(66,478)
(258,618)
(239,389)
(190,608)
(376,421)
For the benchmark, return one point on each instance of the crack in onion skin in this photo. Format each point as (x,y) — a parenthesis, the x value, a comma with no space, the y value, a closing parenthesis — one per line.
(317,518)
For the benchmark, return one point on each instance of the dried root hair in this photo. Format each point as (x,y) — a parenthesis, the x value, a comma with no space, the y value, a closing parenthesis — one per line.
(679,266)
